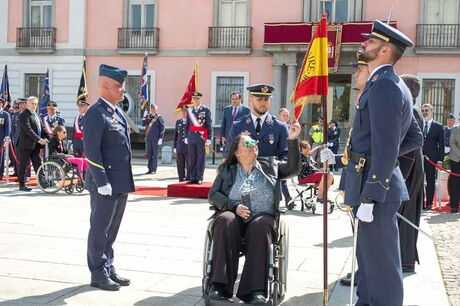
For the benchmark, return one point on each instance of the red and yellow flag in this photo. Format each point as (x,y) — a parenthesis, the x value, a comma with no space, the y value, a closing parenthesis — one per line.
(312,81)
(191,87)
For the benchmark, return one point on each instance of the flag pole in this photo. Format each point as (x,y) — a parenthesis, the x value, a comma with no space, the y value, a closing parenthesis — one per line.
(325,206)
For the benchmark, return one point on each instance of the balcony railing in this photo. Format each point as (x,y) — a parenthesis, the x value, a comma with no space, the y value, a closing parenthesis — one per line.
(230,37)
(44,38)
(438,35)
(138,38)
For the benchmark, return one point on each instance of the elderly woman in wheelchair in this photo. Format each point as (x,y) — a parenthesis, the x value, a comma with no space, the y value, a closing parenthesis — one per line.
(246,195)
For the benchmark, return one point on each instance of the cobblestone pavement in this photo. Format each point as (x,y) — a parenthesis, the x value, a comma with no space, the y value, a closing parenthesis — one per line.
(445,228)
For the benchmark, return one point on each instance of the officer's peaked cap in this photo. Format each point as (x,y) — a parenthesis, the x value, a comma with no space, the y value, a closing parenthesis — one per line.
(196,94)
(387,33)
(261,90)
(21,100)
(153,105)
(451,116)
(83,102)
(114,73)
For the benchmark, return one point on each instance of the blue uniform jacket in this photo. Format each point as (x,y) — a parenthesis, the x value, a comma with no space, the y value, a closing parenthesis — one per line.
(384,128)
(107,149)
(5,125)
(179,137)
(333,136)
(272,139)
(447,132)
(228,121)
(157,130)
(50,123)
(203,116)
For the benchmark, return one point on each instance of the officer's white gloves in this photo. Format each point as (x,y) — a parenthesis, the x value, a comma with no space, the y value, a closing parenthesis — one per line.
(208,142)
(326,155)
(160,141)
(105,190)
(174,150)
(364,212)
(185,140)
(330,144)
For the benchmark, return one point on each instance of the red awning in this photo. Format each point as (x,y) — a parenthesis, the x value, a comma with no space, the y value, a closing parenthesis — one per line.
(299,33)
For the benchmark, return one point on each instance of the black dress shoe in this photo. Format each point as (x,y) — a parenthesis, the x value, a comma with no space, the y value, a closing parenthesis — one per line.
(215,294)
(408,269)
(106,284)
(149,172)
(454,211)
(24,188)
(258,298)
(428,207)
(199,182)
(120,280)
(346,280)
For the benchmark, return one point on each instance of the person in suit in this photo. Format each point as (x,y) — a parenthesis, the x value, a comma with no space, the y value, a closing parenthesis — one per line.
(21,106)
(447,130)
(433,148)
(411,165)
(283,115)
(454,161)
(155,130)
(52,119)
(77,141)
(109,178)
(269,132)
(374,185)
(32,137)
(5,131)
(246,195)
(181,148)
(199,134)
(232,113)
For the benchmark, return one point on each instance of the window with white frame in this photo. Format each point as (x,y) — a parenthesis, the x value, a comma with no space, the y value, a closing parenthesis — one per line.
(34,84)
(141,13)
(440,94)
(225,85)
(131,104)
(441,11)
(337,10)
(233,13)
(41,13)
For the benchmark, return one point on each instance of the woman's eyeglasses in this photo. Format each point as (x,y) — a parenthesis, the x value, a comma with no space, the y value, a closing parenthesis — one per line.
(248,143)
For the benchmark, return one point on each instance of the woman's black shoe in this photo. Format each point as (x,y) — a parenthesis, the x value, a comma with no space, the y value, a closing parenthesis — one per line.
(258,298)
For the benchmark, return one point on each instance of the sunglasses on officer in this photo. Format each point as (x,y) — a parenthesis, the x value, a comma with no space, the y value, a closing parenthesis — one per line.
(249,143)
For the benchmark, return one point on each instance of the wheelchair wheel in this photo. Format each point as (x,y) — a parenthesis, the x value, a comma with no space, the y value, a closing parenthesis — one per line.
(207,265)
(280,287)
(68,189)
(331,206)
(79,186)
(290,205)
(50,177)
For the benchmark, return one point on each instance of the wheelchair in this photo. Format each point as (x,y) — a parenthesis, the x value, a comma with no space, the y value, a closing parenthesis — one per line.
(56,174)
(307,194)
(277,269)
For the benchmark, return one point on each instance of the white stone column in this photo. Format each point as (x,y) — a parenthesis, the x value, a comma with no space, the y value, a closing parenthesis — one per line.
(277,77)
(291,79)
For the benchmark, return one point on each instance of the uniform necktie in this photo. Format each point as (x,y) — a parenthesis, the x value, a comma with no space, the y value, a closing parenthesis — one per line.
(234,114)
(425,129)
(258,125)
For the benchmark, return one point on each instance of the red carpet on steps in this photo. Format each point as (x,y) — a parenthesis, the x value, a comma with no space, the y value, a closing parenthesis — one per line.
(184,190)
(14,179)
(150,191)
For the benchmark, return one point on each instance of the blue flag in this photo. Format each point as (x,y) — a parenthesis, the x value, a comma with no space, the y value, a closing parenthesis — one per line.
(46,95)
(5,89)
(144,86)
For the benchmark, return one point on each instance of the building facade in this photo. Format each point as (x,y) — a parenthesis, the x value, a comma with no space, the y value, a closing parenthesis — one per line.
(234,42)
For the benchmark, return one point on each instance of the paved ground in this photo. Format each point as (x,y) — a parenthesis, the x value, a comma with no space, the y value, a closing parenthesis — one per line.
(43,251)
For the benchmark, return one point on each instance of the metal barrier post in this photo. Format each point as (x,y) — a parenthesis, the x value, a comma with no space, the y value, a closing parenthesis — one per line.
(214,150)
(6,167)
(439,188)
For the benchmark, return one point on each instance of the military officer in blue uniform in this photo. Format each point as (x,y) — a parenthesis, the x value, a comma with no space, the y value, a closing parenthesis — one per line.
(199,134)
(269,132)
(109,178)
(154,132)
(77,140)
(5,131)
(333,137)
(52,119)
(374,185)
(181,148)
(232,113)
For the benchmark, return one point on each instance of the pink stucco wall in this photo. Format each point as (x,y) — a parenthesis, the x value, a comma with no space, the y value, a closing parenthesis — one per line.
(102,28)
(173,74)
(62,21)
(14,18)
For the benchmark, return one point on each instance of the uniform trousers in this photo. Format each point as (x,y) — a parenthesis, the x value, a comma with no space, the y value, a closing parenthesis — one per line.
(183,168)
(24,155)
(380,275)
(106,215)
(152,154)
(227,230)
(430,174)
(196,155)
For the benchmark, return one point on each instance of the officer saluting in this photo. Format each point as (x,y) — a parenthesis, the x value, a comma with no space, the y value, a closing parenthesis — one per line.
(374,184)
(199,135)
(109,179)
(269,132)
(181,148)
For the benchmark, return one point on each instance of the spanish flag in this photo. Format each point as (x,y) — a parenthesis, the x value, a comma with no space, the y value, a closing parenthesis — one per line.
(191,88)
(312,81)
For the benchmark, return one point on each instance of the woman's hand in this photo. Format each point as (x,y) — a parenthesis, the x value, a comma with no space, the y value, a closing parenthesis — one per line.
(294,130)
(243,211)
